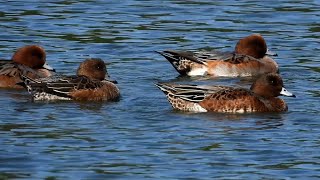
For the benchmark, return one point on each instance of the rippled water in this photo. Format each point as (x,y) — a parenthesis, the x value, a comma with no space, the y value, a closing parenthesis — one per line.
(141,136)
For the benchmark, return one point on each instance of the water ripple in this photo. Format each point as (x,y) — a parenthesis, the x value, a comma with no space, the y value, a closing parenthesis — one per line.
(141,136)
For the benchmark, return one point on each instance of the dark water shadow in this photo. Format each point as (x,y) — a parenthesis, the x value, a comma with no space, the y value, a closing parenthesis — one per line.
(261,121)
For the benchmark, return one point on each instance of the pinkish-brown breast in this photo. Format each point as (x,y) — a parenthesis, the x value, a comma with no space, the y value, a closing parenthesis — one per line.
(249,68)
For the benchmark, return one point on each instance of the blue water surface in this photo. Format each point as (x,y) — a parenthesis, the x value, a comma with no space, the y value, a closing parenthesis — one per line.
(141,136)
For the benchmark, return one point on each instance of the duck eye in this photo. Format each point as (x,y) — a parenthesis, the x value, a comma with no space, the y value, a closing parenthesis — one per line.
(273,82)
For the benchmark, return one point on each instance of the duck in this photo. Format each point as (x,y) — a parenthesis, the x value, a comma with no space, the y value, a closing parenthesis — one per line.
(28,60)
(91,83)
(250,57)
(261,97)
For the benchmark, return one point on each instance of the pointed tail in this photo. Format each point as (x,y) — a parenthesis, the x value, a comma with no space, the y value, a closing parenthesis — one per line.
(181,60)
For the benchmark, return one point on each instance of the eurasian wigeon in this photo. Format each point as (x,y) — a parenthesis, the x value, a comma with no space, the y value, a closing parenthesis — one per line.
(29,61)
(262,96)
(90,84)
(250,58)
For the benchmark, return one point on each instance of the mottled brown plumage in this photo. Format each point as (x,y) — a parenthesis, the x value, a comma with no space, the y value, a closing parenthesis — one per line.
(262,96)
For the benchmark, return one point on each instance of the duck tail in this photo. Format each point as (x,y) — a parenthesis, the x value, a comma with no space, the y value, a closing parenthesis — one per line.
(166,89)
(180,60)
(182,98)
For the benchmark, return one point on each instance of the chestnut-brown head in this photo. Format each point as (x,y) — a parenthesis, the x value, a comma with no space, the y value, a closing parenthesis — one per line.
(253,45)
(32,56)
(270,85)
(93,68)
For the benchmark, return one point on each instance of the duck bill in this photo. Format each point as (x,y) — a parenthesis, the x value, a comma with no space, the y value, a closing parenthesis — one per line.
(284,92)
(270,53)
(46,66)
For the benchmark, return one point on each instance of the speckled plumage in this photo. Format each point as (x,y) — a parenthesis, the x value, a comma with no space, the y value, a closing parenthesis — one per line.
(262,96)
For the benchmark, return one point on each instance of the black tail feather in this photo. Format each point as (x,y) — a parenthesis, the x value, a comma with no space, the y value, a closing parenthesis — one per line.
(170,57)
(182,61)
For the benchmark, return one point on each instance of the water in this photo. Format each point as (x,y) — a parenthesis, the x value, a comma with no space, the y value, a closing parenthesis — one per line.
(141,137)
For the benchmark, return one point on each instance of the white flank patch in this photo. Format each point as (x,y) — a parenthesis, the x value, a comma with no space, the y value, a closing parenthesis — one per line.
(47,97)
(242,110)
(198,71)
(198,108)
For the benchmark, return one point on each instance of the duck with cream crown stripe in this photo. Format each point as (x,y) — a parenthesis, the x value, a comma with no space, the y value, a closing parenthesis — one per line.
(250,58)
